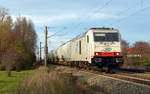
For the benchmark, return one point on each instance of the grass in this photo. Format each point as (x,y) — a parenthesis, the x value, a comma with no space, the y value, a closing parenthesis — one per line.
(43,80)
(8,84)
(137,63)
(47,80)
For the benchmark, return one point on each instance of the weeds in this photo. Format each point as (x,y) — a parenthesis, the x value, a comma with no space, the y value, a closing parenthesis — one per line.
(47,81)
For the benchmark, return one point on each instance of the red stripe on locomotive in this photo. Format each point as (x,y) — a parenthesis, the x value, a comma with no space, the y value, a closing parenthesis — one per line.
(104,54)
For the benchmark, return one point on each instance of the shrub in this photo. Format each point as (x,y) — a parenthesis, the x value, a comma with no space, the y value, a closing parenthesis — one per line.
(2,67)
(48,81)
(137,63)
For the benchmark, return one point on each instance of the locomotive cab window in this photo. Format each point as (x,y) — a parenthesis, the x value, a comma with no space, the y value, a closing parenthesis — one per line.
(108,37)
(87,39)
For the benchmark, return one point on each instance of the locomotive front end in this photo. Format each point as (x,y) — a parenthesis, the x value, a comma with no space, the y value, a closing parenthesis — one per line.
(107,48)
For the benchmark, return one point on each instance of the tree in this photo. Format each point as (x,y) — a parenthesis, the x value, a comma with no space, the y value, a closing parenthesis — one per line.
(3,14)
(143,48)
(10,50)
(10,59)
(17,42)
(25,30)
(125,45)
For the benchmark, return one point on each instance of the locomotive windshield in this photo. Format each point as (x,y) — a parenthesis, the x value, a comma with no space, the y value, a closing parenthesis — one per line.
(106,37)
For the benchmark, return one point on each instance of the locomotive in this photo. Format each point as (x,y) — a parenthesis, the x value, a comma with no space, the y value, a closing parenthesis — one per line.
(100,47)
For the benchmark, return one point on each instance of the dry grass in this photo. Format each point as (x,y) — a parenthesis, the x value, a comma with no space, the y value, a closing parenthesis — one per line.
(48,81)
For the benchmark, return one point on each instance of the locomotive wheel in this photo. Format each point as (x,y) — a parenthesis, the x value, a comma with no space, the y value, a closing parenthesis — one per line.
(101,69)
(110,70)
(107,70)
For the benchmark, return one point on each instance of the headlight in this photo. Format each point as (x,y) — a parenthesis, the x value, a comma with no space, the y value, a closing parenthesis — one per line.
(97,53)
(117,53)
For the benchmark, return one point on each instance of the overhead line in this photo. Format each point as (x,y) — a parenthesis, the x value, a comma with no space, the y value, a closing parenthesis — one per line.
(139,3)
(125,10)
(66,28)
(107,3)
(131,15)
(56,33)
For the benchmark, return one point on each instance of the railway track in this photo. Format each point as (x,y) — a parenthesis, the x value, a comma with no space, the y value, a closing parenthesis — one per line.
(147,72)
(135,70)
(125,76)
(134,75)
(130,76)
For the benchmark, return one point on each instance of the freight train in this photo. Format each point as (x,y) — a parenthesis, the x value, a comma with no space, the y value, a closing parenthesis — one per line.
(100,47)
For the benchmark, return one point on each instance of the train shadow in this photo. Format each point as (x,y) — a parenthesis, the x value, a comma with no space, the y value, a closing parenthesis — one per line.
(113,71)
(132,71)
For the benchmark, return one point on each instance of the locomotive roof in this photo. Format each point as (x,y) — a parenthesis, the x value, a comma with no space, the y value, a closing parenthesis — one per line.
(83,34)
(103,28)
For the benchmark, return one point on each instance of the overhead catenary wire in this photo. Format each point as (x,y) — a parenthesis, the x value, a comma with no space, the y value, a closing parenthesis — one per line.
(98,10)
(126,10)
(129,8)
(56,33)
(124,18)
(140,4)
(63,29)
(107,3)
(86,18)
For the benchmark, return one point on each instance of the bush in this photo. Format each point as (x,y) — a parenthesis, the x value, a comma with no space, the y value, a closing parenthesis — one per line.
(137,63)
(45,81)
(147,63)
(48,81)
(2,67)
(26,62)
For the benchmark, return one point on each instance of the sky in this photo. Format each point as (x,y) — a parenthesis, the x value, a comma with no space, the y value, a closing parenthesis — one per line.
(73,17)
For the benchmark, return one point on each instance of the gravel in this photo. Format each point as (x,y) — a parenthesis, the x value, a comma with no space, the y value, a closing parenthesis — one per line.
(107,85)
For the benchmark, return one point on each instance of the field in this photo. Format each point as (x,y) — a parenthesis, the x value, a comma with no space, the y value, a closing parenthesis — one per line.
(9,84)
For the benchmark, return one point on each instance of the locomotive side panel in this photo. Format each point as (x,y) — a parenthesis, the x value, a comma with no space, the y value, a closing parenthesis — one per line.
(89,46)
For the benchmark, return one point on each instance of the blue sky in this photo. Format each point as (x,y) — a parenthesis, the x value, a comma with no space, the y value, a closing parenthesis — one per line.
(73,17)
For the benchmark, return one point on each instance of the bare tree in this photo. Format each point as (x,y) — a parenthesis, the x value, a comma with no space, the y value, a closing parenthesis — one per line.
(10,59)
(3,14)
(125,45)
(143,48)
(10,45)
(10,50)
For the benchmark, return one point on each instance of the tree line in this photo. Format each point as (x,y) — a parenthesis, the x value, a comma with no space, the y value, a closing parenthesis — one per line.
(17,42)
(137,54)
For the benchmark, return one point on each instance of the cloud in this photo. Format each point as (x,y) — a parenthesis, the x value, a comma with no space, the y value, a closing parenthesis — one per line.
(48,19)
(104,16)
(52,19)
(43,20)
